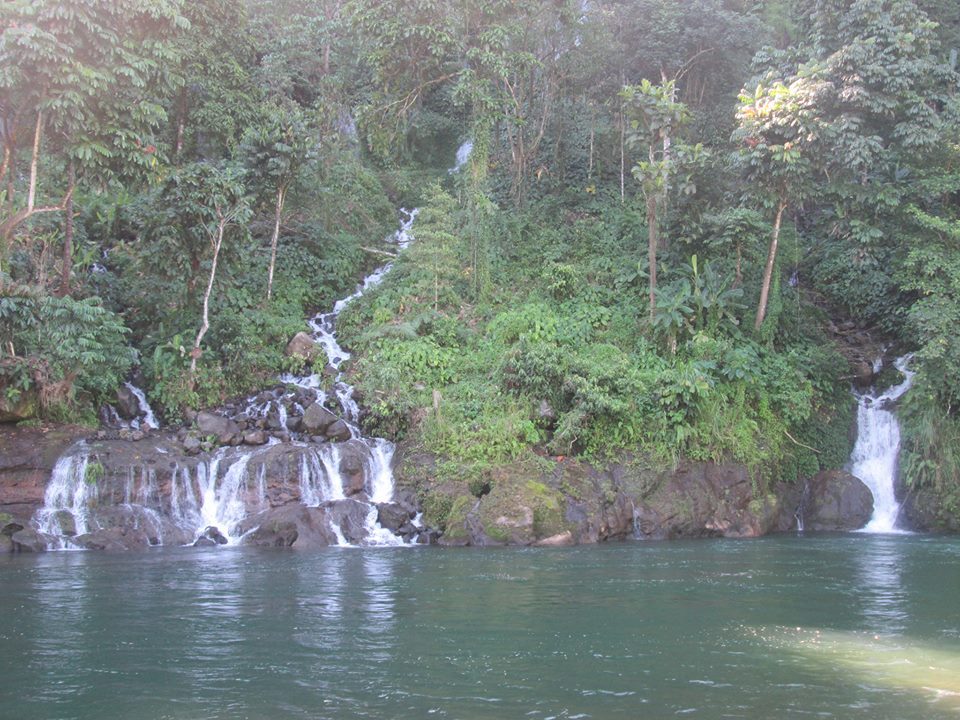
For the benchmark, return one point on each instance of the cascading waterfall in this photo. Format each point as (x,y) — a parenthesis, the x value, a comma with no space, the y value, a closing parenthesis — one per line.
(146,418)
(875,454)
(67,498)
(221,490)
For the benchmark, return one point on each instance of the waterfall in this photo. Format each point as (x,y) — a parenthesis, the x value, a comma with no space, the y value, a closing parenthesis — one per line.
(874,457)
(463,154)
(67,499)
(146,412)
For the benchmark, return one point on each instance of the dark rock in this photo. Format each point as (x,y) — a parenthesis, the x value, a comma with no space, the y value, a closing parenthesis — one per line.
(222,428)
(128,407)
(29,540)
(925,510)
(289,525)
(191,444)
(115,539)
(318,439)
(338,431)
(351,517)
(316,419)
(837,500)
(204,542)
(255,437)
(350,464)
(294,423)
(212,532)
(392,516)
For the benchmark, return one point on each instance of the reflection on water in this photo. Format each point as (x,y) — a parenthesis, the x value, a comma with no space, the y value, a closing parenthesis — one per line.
(878,584)
(623,631)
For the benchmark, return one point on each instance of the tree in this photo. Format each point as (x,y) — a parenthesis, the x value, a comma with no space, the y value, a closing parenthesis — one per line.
(777,129)
(274,152)
(655,116)
(91,75)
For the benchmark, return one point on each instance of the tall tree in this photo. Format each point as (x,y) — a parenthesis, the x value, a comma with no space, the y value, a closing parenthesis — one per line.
(92,76)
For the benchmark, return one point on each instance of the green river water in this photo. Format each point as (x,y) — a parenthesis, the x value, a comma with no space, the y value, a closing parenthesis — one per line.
(854,626)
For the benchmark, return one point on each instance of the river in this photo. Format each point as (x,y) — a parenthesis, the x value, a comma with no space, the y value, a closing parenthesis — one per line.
(846,626)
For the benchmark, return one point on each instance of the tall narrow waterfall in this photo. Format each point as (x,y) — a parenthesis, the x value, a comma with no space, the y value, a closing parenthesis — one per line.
(875,454)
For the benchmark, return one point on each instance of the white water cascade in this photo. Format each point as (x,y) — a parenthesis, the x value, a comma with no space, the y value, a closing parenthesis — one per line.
(463,154)
(875,454)
(147,417)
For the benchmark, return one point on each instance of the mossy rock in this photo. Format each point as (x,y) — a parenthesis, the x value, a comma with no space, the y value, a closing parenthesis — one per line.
(521,511)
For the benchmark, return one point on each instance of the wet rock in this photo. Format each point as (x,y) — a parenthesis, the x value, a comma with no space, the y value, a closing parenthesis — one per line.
(191,444)
(294,423)
(116,539)
(351,517)
(255,437)
(304,346)
(29,540)
(222,428)
(392,516)
(338,431)
(213,533)
(204,542)
(316,419)
(128,407)
(836,500)
(289,525)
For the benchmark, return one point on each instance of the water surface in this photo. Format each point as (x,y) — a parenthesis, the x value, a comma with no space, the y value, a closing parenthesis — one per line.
(843,626)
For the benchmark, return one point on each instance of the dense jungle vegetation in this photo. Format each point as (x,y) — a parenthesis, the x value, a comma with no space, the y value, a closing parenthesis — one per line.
(673,217)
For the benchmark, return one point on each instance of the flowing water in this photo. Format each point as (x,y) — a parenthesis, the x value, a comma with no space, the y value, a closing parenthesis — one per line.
(877,449)
(853,627)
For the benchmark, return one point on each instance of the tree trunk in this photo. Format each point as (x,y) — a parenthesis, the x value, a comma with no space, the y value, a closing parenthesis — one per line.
(652,251)
(281,192)
(768,270)
(67,261)
(196,352)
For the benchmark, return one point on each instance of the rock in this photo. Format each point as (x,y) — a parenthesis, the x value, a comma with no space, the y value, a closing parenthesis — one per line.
(24,407)
(29,540)
(273,534)
(836,500)
(304,346)
(191,444)
(338,431)
(316,419)
(222,428)
(862,373)
(213,533)
(392,516)
(204,542)
(559,540)
(255,437)
(925,510)
(116,539)
(351,517)
(289,525)
(128,407)
(545,412)
(294,423)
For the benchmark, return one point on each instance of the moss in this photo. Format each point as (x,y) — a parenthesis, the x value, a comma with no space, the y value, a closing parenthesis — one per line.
(455,527)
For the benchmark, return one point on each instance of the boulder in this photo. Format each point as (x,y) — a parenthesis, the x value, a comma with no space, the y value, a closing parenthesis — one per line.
(338,431)
(836,500)
(255,437)
(115,539)
(128,407)
(224,429)
(351,517)
(23,407)
(211,532)
(289,525)
(316,419)
(304,346)
(29,540)
(392,516)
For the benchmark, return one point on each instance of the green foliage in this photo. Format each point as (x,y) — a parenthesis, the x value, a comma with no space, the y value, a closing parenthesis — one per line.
(73,352)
